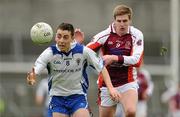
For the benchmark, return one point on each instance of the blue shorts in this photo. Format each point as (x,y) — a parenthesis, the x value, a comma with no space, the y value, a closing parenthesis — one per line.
(67,104)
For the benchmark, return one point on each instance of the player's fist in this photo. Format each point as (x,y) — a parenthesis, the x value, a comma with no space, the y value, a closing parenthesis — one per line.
(31,77)
(79,36)
(109,59)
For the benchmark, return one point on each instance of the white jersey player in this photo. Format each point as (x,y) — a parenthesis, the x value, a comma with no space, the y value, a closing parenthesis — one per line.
(66,62)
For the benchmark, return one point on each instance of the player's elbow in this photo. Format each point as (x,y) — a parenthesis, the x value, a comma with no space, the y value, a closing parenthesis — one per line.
(138,64)
(137,61)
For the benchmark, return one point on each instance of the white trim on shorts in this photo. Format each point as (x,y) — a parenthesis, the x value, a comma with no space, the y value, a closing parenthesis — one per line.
(105,97)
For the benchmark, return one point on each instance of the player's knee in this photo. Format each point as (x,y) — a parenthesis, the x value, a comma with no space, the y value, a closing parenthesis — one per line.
(130,112)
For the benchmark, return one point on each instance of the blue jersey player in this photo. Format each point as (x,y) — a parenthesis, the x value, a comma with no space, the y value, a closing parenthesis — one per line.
(66,62)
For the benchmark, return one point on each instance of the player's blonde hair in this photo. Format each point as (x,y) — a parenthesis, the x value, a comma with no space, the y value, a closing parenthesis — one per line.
(122,10)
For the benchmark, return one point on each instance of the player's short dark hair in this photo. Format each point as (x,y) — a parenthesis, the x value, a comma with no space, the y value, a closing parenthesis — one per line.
(66,26)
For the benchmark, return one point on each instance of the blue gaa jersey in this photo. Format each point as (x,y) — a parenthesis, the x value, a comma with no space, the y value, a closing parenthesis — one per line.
(68,70)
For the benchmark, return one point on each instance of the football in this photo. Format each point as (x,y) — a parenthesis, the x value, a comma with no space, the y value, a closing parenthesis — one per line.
(41,33)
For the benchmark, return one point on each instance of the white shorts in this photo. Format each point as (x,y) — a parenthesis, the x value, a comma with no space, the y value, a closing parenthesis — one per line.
(105,97)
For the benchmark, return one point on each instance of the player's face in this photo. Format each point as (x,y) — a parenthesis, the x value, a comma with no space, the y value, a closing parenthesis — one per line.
(63,39)
(122,22)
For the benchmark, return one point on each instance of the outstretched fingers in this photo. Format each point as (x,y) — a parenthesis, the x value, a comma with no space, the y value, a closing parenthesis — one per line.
(31,77)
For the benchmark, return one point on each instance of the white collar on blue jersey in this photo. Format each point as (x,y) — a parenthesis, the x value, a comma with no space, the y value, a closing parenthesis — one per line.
(73,44)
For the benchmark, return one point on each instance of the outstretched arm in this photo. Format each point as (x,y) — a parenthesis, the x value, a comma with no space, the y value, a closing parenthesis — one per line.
(97,63)
(115,95)
(31,77)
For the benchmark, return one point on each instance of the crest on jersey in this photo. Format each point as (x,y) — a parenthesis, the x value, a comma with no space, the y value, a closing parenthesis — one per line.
(139,42)
(67,63)
(78,60)
(128,45)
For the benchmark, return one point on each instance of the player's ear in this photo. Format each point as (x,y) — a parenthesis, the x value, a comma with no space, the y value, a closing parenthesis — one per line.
(33,70)
(130,21)
(72,37)
(55,39)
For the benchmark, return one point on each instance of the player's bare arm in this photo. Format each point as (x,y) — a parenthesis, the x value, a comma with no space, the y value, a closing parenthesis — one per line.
(115,95)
